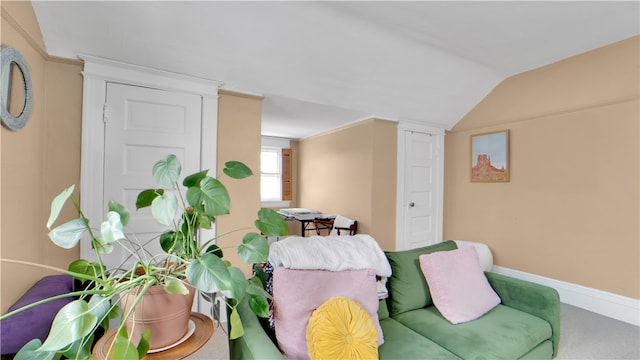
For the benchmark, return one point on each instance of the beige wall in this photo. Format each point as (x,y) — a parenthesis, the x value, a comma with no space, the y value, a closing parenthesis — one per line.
(44,157)
(352,172)
(239,126)
(39,160)
(570,211)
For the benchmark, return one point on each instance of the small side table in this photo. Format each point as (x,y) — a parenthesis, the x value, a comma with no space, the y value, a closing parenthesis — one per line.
(201,335)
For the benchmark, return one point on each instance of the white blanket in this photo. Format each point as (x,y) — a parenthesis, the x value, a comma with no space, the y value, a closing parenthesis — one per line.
(333,253)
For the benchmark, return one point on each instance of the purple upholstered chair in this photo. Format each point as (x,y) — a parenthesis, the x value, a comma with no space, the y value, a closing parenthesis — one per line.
(21,328)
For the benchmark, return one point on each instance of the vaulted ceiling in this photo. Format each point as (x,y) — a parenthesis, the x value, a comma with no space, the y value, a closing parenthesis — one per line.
(320,65)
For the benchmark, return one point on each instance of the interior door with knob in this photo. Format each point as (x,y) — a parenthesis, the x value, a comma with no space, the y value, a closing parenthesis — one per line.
(421,203)
(142,126)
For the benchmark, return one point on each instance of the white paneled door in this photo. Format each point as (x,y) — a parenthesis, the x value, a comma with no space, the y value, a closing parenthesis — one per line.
(422,184)
(142,126)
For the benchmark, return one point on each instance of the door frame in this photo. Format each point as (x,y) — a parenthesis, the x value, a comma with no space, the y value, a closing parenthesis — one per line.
(97,73)
(403,127)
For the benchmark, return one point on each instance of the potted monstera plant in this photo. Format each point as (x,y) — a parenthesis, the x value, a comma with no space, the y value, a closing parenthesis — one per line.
(188,263)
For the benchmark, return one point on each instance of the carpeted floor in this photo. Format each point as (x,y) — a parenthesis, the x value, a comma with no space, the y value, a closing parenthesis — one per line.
(584,335)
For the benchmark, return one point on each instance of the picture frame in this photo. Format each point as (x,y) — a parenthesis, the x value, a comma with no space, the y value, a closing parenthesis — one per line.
(490,157)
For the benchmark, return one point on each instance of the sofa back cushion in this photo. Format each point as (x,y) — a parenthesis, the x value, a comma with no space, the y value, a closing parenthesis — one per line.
(407,286)
(383,310)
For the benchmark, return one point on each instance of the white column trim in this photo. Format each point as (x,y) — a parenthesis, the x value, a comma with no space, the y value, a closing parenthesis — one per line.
(91,159)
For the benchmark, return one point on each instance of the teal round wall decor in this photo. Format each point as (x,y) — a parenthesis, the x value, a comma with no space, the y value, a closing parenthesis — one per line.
(10,57)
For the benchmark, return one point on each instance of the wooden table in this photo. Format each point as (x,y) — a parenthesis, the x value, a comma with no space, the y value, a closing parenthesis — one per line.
(305,219)
(201,335)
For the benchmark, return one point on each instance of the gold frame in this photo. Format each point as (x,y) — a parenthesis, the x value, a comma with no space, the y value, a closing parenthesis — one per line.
(484,147)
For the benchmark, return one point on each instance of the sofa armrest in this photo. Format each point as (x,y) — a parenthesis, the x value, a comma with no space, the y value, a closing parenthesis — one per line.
(255,343)
(535,299)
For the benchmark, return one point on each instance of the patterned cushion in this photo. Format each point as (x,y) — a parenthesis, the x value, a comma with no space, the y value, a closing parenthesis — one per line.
(341,329)
(264,271)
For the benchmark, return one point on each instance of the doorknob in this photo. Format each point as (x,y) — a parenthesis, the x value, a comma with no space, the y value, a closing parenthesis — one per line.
(412,204)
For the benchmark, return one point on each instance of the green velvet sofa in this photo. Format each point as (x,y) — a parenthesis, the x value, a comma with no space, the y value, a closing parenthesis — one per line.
(526,325)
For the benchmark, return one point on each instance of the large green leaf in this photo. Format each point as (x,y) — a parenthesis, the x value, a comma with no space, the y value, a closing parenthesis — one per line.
(205,221)
(259,305)
(123,348)
(99,306)
(82,266)
(167,171)
(256,287)
(254,249)
(57,203)
(114,313)
(210,198)
(112,229)
(73,322)
(236,324)
(121,210)
(175,286)
(68,234)
(209,273)
(145,198)
(270,223)
(143,345)
(238,283)
(163,208)
(80,349)
(168,240)
(194,179)
(101,246)
(237,170)
(30,352)
(215,250)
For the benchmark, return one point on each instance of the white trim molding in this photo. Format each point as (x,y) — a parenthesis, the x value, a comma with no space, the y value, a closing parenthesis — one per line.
(97,73)
(604,303)
(115,71)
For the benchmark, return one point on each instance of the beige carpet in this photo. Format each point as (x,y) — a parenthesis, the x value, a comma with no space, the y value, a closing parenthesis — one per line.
(216,349)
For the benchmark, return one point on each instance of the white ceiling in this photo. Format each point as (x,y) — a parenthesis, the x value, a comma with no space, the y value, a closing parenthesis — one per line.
(323,64)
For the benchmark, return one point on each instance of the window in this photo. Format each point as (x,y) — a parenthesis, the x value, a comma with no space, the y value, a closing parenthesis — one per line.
(275,172)
(271,174)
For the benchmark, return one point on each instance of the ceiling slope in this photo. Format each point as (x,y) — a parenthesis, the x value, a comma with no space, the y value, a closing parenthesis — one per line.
(323,64)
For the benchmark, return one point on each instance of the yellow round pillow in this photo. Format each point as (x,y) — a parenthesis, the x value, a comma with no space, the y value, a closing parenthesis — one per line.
(341,329)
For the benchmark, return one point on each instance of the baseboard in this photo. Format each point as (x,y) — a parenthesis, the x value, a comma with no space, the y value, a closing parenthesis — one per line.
(605,303)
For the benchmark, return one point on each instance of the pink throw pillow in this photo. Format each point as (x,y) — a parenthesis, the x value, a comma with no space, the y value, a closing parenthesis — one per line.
(297,293)
(458,286)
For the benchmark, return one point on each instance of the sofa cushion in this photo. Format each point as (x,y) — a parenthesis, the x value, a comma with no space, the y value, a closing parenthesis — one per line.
(542,351)
(502,333)
(297,293)
(408,289)
(383,310)
(341,329)
(34,323)
(404,343)
(458,286)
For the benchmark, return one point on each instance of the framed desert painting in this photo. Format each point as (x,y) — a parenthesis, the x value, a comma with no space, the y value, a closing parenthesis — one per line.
(490,157)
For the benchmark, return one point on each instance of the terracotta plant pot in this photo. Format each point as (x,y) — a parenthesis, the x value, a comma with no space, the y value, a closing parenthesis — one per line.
(166,315)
